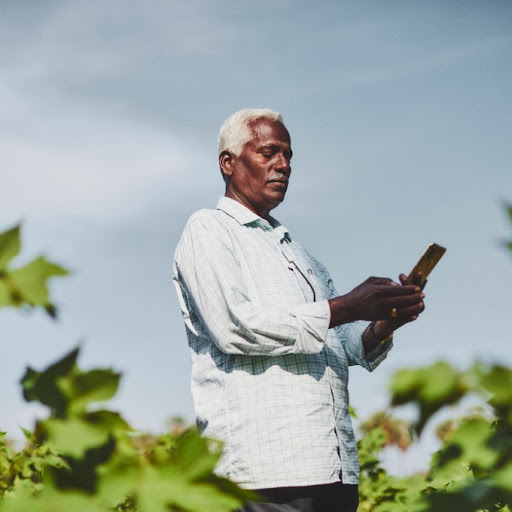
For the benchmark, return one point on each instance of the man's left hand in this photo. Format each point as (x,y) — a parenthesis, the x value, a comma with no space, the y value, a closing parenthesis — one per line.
(384,328)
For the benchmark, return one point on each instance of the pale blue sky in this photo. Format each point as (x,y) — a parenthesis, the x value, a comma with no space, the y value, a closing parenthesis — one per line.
(400,114)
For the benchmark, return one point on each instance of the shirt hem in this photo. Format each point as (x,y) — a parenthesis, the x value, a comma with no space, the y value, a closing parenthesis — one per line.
(292,483)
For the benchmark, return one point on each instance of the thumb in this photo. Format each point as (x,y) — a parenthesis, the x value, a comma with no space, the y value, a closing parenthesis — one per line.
(403,279)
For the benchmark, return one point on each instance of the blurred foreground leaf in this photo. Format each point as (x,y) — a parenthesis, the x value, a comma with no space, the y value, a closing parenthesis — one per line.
(25,286)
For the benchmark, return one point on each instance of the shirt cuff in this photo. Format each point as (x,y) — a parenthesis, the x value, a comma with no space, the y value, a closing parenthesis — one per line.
(378,354)
(352,336)
(313,320)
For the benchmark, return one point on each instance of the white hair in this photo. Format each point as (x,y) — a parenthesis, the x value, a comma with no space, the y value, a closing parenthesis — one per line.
(235,133)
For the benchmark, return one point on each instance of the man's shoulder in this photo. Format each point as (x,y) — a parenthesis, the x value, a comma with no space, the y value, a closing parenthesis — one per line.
(205,224)
(206,230)
(205,218)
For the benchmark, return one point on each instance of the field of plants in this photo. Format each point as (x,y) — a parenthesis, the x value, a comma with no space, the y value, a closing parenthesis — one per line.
(85,457)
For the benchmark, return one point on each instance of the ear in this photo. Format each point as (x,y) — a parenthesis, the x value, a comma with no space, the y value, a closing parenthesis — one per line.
(226,161)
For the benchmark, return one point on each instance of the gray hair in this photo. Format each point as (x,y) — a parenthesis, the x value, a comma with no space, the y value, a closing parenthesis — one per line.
(234,133)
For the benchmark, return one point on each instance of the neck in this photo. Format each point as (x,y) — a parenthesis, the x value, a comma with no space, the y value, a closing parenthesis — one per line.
(232,194)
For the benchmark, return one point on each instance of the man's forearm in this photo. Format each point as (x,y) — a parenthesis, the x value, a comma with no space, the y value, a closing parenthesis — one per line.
(341,312)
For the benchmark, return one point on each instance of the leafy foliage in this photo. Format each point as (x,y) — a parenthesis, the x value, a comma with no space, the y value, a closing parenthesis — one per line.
(84,457)
(397,432)
(473,469)
(25,286)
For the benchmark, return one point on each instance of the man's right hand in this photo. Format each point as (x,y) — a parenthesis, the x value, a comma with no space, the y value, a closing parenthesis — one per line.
(374,300)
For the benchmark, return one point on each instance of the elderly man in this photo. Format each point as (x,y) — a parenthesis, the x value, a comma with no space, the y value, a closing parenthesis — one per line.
(271,340)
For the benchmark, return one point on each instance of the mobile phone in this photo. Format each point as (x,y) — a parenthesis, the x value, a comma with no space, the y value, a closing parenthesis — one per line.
(427,262)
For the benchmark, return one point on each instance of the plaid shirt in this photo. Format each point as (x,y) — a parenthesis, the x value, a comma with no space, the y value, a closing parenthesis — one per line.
(269,378)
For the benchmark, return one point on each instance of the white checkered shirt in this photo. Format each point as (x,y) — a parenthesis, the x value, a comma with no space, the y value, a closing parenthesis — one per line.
(269,378)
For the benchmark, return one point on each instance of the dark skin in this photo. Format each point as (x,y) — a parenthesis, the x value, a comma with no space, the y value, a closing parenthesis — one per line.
(258,178)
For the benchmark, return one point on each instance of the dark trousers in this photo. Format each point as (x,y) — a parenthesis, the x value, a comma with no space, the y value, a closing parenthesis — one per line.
(337,497)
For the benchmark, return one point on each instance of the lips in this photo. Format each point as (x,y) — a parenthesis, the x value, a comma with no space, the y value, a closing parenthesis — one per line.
(283,181)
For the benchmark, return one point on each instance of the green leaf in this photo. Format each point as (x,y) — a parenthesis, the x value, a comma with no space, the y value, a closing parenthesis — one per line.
(85,387)
(193,455)
(503,477)
(471,445)
(431,388)
(50,501)
(108,420)
(498,381)
(166,486)
(29,436)
(5,292)
(83,472)
(30,281)
(43,387)
(9,246)
(73,436)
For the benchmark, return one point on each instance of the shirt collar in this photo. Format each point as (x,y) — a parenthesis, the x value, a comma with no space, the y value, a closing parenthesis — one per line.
(246,217)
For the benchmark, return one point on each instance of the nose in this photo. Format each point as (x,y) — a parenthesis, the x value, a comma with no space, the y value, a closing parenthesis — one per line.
(283,165)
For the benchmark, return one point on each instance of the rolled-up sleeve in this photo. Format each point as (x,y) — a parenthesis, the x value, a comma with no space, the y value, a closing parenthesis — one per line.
(209,280)
(351,335)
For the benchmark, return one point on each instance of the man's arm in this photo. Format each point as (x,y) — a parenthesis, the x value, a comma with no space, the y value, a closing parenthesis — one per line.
(209,277)
(375,300)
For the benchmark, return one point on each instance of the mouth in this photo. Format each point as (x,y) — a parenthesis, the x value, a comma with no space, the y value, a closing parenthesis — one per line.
(281,181)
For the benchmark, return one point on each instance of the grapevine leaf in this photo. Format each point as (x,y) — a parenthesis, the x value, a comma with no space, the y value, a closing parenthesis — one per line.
(498,381)
(9,246)
(73,436)
(166,486)
(503,477)
(108,420)
(470,444)
(431,388)
(86,387)
(83,472)
(5,293)
(42,386)
(30,281)
(29,436)
(193,455)
(50,501)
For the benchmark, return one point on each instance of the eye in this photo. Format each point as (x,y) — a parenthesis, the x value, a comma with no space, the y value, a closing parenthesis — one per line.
(268,152)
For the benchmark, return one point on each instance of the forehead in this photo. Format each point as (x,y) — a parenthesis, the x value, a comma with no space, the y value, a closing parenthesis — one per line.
(265,131)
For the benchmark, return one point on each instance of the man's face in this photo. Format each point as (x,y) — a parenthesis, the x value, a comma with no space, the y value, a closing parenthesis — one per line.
(258,177)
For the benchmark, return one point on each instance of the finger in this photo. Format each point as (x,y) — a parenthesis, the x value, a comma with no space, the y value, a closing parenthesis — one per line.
(404,279)
(404,301)
(394,291)
(403,321)
(380,280)
(410,311)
